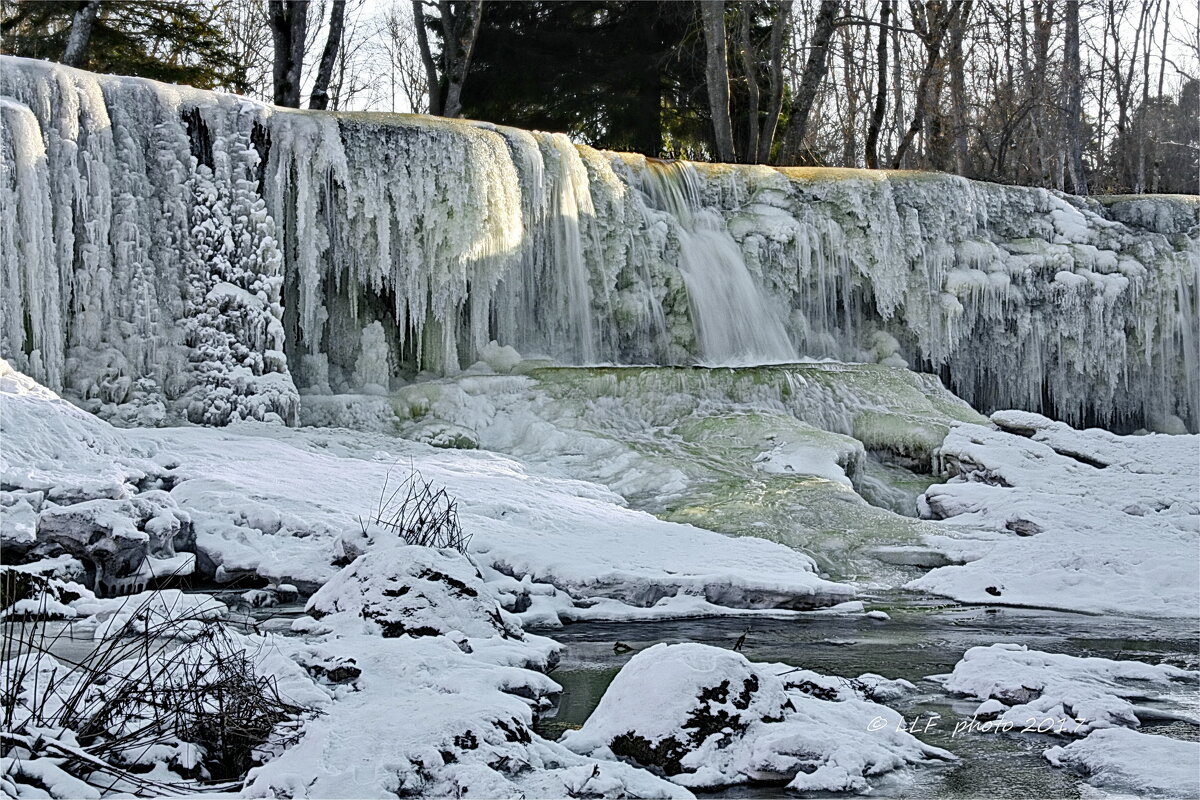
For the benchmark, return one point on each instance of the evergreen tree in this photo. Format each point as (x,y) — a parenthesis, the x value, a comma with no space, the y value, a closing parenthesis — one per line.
(620,75)
(160,39)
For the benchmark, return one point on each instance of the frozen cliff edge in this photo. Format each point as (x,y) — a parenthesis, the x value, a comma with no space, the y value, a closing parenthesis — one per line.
(172,252)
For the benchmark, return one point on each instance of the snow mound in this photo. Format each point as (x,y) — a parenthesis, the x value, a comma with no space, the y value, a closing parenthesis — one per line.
(1055,517)
(437,656)
(414,591)
(1068,694)
(423,718)
(1121,760)
(717,719)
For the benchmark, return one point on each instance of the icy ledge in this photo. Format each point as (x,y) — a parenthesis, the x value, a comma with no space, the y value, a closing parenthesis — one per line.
(286,504)
(1049,516)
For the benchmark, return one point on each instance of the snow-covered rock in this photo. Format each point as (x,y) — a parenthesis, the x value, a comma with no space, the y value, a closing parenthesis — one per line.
(123,542)
(413,591)
(1069,695)
(423,718)
(707,717)
(1045,515)
(1126,762)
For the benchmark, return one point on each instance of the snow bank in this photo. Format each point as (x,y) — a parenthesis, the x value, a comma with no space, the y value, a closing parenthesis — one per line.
(717,719)
(1068,695)
(1125,761)
(575,536)
(1049,516)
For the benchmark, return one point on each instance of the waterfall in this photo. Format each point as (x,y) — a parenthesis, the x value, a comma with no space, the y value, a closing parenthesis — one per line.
(173,252)
(735,323)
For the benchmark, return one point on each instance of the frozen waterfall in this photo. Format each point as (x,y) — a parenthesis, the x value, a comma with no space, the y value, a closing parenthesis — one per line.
(173,252)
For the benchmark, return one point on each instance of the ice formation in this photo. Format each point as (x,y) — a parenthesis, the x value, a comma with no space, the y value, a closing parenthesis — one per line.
(172,252)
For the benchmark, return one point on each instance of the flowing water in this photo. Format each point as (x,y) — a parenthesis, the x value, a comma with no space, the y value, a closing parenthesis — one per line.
(920,639)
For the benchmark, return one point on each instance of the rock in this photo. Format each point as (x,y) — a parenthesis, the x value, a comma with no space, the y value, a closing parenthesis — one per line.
(122,543)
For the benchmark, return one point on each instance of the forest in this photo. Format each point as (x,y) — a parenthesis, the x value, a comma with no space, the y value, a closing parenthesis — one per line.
(1087,97)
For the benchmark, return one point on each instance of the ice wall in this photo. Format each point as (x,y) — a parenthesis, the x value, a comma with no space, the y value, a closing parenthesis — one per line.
(171,251)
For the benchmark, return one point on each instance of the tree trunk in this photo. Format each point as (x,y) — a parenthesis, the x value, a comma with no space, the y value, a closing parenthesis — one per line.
(936,32)
(815,69)
(716,73)
(1139,185)
(897,75)
(81,32)
(881,88)
(958,92)
(289,21)
(852,87)
(458,44)
(1074,88)
(779,27)
(320,93)
(431,74)
(749,151)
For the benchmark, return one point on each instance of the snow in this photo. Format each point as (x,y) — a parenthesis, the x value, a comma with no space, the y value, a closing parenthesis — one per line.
(1131,763)
(432,691)
(1049,516)
(1069,695)
(425,718)
(718,719)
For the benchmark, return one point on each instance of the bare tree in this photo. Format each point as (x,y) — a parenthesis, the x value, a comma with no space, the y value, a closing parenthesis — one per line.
(881,88)
(931,24)
(1074,86)
(459,27)
(815,68)
(958,90)
(406,72)
(320,93)
(780,21)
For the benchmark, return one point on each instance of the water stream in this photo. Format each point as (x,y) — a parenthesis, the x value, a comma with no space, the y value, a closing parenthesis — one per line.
(920,639)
